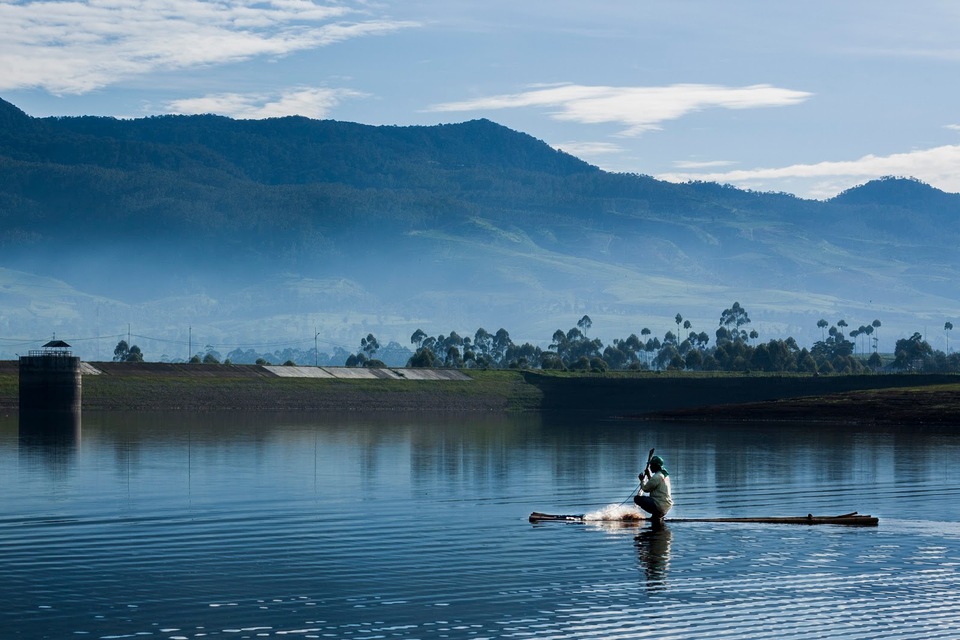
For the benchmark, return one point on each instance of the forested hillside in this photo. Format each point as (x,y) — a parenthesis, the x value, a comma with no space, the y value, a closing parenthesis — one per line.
(450,226)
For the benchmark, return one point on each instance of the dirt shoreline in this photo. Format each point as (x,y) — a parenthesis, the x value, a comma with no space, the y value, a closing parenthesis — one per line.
(937,405)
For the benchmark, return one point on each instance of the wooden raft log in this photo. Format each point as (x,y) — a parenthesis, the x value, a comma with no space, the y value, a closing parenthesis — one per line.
(849,519)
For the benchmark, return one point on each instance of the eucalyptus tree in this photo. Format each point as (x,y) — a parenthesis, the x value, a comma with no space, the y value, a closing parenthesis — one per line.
(559,344)
(369,345)
(423,358)
(669,357)
(736,317)
(652,346)
(417,338)
(910,353)
(855,333)
(482,342)
(501,342)
(646,359)
(615,356)
(452,357)
(693,360)
(124,353)
(523,356)
(584,324)
(774,356)
(622,354)
(700,340)
(633,346)
(860,332)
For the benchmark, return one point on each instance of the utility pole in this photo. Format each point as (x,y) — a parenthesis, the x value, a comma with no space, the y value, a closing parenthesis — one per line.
(189,343)
(316,350)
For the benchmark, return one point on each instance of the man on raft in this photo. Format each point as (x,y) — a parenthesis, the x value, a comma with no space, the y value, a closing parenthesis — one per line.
(655,481)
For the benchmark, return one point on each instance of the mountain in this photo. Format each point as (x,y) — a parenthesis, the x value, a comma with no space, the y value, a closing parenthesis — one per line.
(247,232)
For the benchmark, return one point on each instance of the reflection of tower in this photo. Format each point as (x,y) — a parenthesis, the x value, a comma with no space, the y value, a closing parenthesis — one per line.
(50,393)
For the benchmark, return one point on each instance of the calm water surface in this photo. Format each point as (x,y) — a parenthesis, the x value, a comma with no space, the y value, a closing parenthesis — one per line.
(181,526)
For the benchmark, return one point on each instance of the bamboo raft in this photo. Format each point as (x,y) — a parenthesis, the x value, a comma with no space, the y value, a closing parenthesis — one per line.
(849,519)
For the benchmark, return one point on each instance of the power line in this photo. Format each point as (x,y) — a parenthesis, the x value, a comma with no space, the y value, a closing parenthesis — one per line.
(119,336)
(261,345)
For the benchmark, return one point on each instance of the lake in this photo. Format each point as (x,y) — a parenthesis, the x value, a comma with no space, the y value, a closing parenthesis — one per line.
(180,526)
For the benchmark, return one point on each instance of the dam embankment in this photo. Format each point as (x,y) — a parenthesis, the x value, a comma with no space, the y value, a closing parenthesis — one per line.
(874,398)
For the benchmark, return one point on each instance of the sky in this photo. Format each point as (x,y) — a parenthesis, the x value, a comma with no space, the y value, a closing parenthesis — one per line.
(808,98)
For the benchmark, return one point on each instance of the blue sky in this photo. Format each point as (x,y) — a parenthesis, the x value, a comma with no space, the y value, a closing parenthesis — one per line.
(806,97)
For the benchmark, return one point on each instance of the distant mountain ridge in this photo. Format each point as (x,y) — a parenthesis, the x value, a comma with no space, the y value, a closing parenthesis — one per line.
(907,193)
(448,225)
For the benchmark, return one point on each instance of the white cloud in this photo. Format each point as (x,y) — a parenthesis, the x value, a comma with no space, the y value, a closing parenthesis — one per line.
(77,46)
(308,102)
(706,164)
(939,167)
(586,149)
(640,109)
(952,127)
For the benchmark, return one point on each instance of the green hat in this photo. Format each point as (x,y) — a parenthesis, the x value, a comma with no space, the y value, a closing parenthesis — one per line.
(657,461)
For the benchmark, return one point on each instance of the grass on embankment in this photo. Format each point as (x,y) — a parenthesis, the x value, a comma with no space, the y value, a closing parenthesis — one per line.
(487,391)
(225,387)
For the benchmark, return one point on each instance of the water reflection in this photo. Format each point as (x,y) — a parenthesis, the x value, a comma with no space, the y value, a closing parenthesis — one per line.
(719,470)
(49,439)
(653,553)
(415,526)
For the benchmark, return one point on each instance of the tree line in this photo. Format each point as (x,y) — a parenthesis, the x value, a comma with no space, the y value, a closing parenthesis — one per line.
(736,347)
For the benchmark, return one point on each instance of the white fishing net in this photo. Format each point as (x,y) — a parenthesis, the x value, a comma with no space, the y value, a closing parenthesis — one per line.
(614,513)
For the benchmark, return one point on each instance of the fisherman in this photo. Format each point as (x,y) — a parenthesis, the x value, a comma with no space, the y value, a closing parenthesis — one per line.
(655,481)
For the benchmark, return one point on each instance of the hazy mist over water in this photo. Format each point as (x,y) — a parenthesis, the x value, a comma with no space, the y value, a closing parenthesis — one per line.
(165,311)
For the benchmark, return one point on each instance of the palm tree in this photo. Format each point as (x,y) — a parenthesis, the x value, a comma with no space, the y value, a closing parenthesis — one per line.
(947,327)
(876,325)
